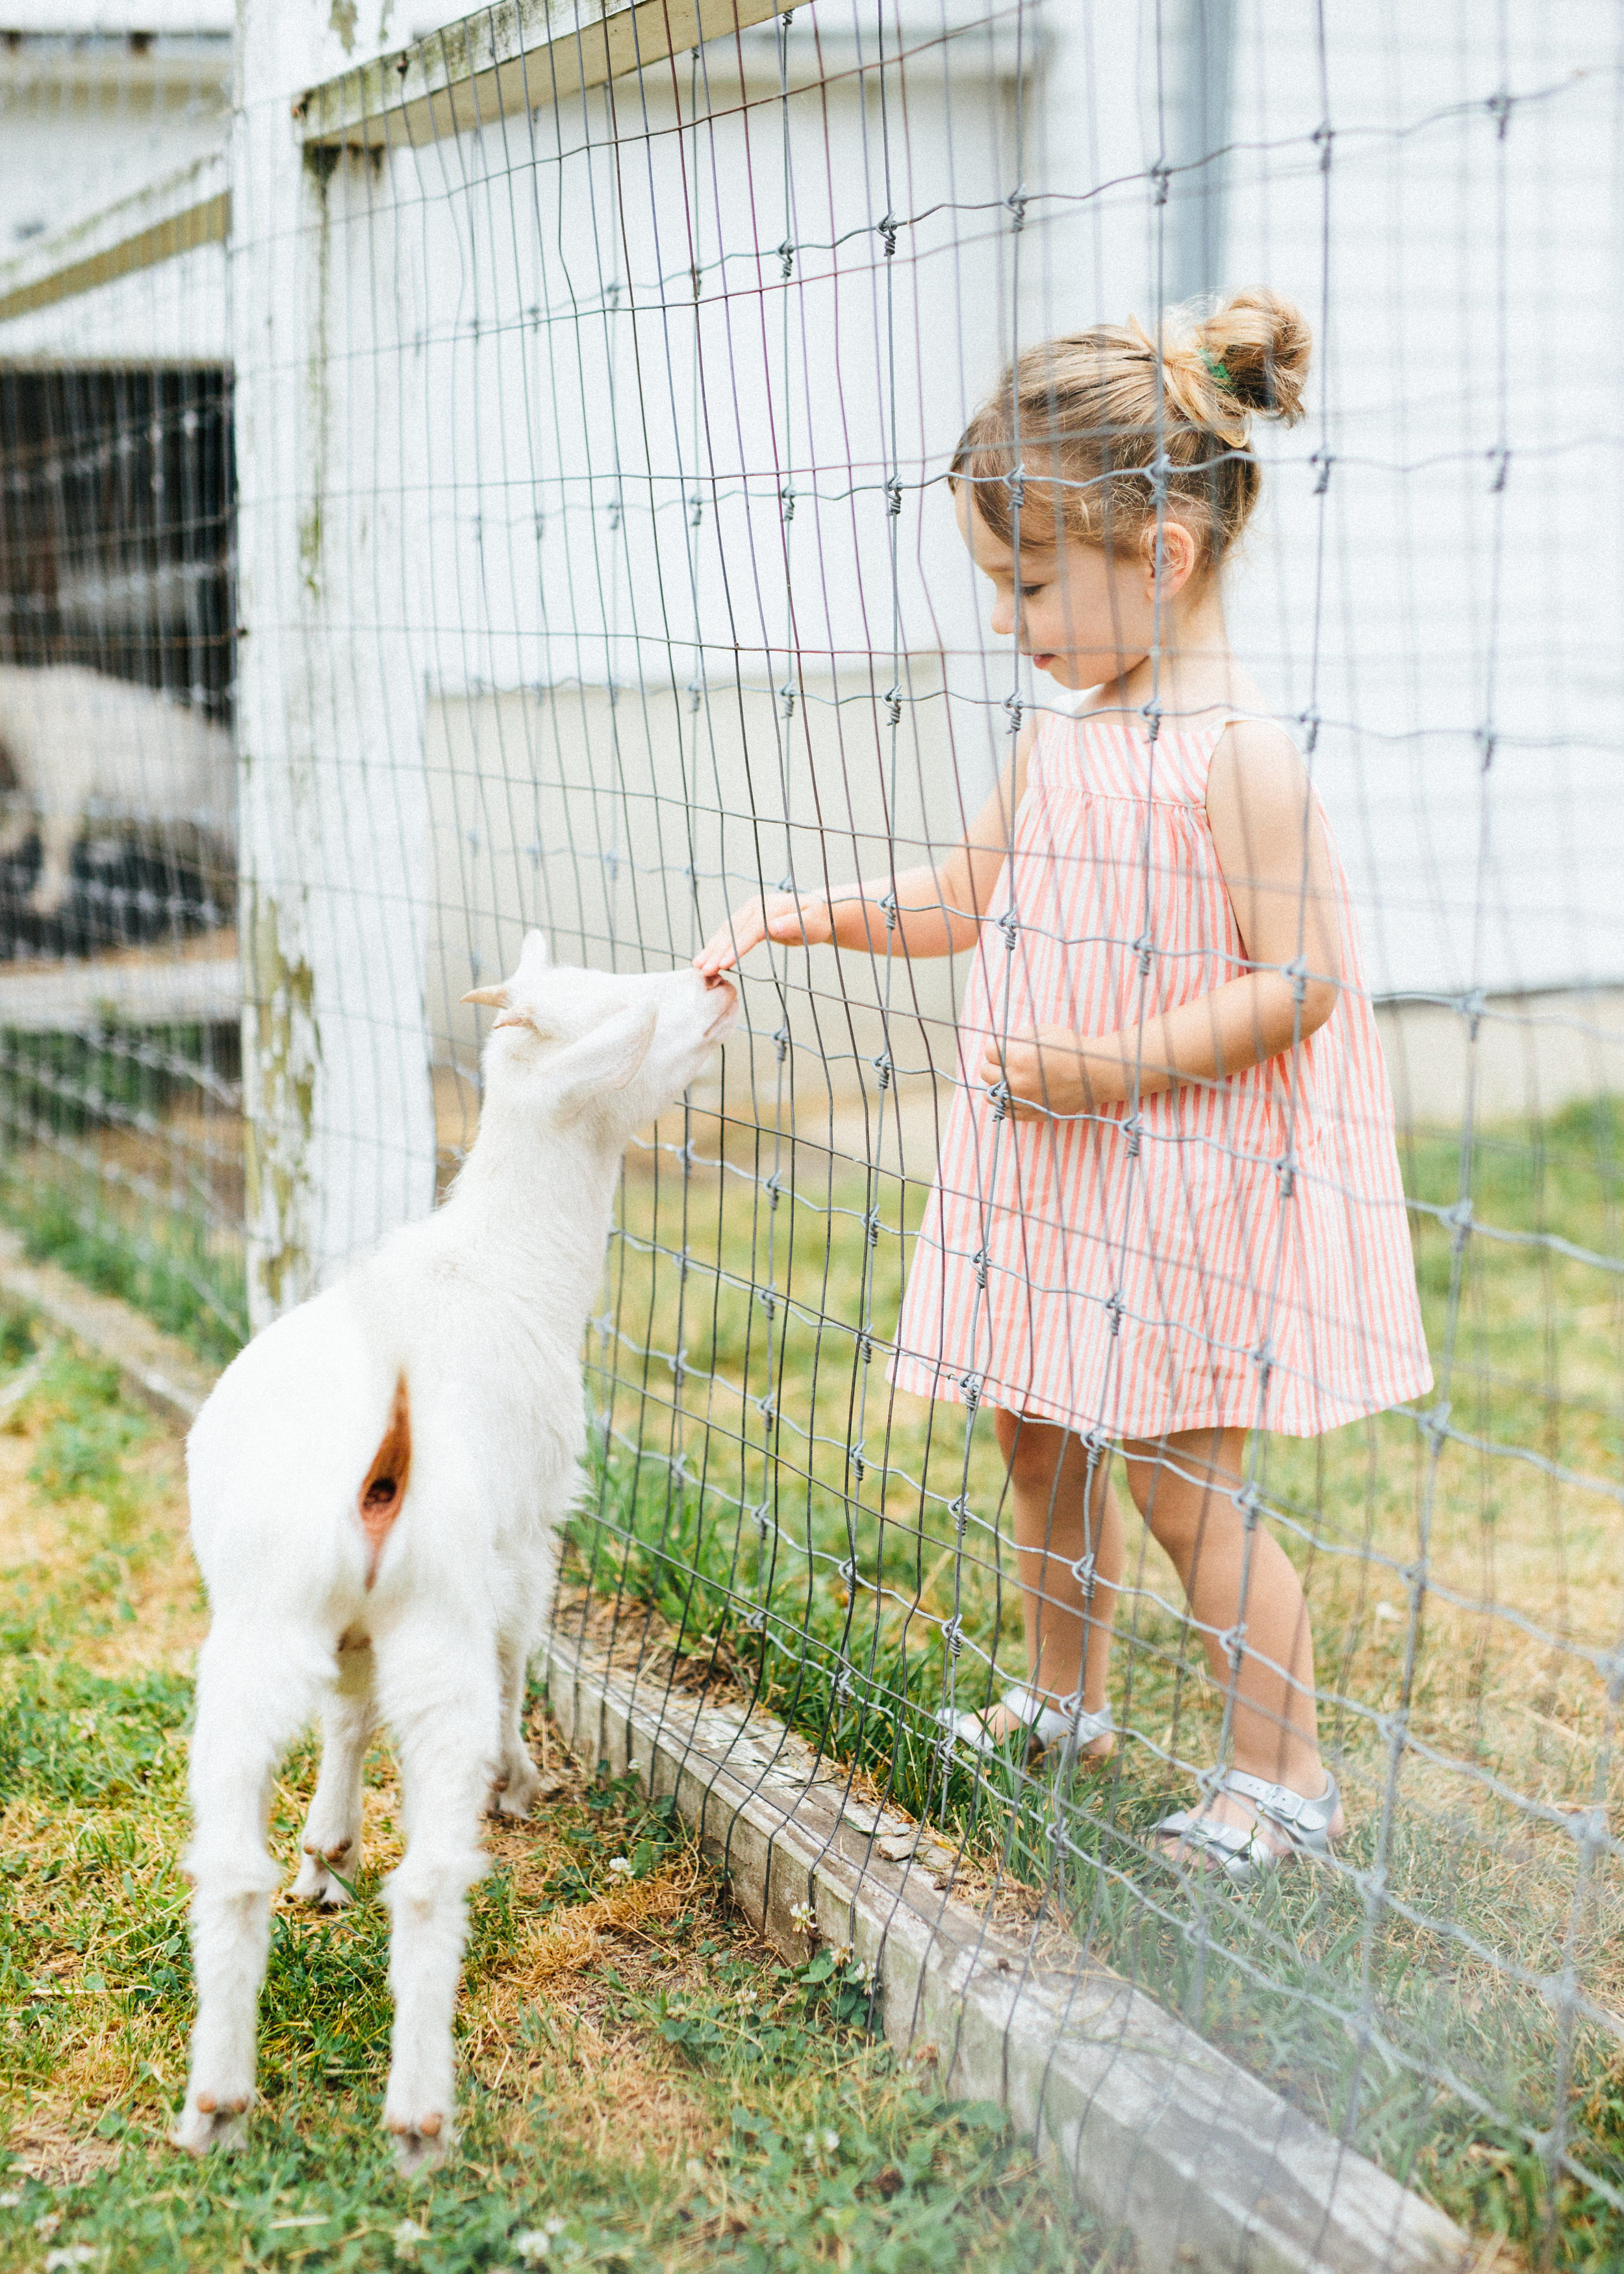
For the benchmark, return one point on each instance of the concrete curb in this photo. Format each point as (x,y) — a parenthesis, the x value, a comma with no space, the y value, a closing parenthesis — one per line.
(157,1366)
(1165,2140)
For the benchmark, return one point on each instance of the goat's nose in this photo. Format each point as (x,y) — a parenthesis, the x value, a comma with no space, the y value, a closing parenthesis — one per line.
(721,1003)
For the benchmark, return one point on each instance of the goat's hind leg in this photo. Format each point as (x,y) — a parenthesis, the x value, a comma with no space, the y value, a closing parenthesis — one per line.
(332,1838)
(438,1692)
(517,1777)
(255,1691)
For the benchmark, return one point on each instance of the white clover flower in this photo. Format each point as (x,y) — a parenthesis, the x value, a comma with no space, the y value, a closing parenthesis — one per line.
(694,2168)
(407,2236)
(9,2200)
(804,1916)
(47,2226)
(72,2254)
(809,2145)
(533,2246)
(553,2224)
(620,1867)
(841,1953)
(831,2142)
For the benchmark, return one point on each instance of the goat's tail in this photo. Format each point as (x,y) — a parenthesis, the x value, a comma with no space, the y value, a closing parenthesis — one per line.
(383,1490)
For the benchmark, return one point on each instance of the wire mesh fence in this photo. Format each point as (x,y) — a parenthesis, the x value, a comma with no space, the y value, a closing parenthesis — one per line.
(567,477)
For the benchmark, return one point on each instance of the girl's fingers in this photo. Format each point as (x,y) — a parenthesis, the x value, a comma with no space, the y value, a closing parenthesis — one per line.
(742,930)
(790,921)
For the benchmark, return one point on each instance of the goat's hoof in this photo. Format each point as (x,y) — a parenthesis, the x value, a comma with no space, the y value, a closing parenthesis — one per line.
(516,1791)
(421,2143)
(212,2120)
(316,1883)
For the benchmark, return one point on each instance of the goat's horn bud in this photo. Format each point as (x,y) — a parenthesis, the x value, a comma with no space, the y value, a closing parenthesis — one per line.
(496,997)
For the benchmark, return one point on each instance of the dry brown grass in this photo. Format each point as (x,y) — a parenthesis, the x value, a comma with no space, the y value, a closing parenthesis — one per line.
(612,2084)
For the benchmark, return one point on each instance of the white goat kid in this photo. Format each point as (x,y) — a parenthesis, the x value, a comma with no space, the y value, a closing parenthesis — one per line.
(86,751)
(376,1484)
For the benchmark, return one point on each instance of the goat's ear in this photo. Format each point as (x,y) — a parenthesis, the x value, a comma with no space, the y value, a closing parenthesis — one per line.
(532,955)
(605,1060)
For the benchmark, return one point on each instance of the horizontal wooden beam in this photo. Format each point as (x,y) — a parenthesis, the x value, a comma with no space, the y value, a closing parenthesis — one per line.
(207,223)
(519,56)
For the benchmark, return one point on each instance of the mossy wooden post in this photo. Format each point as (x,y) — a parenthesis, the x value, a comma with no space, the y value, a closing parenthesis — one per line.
(340,1133)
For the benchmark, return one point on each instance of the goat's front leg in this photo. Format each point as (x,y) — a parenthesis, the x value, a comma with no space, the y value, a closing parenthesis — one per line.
(332,1840)
(439,1692)
(517,1777)
(254,1691)
(59,834)
(17,826)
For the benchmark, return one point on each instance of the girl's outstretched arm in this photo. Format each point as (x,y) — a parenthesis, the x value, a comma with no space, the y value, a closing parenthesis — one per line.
(1271,845)
(939,909)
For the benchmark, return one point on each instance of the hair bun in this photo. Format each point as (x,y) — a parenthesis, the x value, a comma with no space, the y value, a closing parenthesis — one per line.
(1255,348)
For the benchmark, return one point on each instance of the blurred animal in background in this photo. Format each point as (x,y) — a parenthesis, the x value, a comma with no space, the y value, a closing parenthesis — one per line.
(84,754)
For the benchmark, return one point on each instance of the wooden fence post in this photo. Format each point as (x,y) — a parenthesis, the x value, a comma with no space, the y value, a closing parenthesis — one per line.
(337,1082)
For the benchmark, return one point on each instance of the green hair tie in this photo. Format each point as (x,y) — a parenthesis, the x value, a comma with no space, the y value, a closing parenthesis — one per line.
(1217,370)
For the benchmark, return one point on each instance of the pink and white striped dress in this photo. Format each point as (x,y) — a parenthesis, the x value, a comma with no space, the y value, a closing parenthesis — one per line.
(1234,1254)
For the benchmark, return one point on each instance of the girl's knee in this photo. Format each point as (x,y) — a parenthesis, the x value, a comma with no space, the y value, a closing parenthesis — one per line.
(1032,1451)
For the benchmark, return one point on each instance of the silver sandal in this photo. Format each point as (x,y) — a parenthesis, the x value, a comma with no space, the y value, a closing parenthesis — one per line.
(1060,1722)
(1238,1850)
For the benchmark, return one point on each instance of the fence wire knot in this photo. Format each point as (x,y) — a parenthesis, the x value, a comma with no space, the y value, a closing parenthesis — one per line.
(959,1510)
(1434,1424)
(1082,1572)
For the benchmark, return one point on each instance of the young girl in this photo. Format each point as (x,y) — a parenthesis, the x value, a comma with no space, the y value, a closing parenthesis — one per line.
(1168,1210)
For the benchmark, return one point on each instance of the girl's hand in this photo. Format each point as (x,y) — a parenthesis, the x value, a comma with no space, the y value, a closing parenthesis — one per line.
(797,919)
(1051,1072)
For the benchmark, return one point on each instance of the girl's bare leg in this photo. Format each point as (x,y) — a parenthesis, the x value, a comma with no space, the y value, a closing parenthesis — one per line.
(1184,1488)
(1067,1634)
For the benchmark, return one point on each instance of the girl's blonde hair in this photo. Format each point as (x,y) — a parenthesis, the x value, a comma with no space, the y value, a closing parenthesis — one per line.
(1073,431)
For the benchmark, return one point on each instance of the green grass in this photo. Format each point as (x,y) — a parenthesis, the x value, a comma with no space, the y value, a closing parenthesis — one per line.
(729,1507)
(115,1146)
(783,1518)
(167,1271)
(664,2095)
